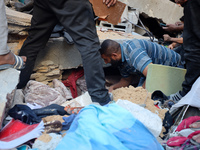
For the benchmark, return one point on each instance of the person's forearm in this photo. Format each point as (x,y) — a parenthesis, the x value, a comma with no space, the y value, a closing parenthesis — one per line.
(120,84)
(124,82)
(180,28)
(177,40)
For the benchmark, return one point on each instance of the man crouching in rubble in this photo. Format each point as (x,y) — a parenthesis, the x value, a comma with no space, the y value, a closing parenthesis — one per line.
(77,17)
(135,56)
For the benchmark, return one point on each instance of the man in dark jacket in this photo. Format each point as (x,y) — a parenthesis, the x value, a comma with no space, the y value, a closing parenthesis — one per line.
(191,45)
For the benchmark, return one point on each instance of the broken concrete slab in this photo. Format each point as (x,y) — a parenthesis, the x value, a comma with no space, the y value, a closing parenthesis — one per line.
(62,54)
(19,18)
(168,11)
(67,56)
(18,22)
(9,79)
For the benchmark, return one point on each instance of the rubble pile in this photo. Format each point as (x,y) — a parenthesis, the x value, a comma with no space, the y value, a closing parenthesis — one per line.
(47,72)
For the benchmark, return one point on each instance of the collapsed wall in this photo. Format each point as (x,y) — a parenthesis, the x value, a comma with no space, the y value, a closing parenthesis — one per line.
(166,10)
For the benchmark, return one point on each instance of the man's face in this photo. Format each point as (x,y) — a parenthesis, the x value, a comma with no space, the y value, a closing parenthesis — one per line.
(180,1)
(115,63)
(109,59)
(106,59)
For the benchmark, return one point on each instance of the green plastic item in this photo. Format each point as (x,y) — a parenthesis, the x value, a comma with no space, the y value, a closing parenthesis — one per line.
(165,78)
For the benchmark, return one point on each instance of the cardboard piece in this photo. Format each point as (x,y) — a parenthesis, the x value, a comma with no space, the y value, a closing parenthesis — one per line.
(111,14)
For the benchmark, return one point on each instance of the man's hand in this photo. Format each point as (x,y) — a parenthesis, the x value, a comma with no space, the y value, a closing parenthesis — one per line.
(170,27)
(166,37)
(179,23)
(109,2)
(111,88)
(171,46)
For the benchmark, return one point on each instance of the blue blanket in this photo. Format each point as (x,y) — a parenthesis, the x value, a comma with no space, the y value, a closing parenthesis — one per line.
(108,127)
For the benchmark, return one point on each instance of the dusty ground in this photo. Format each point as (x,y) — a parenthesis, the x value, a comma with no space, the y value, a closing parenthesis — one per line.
(138,96)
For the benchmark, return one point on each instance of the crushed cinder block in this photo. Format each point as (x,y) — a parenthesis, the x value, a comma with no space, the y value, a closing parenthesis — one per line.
(9,80)
(46,72)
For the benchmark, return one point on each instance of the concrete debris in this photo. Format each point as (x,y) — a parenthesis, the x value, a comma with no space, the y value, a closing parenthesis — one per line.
(9,79)
(47,72)
(167,11)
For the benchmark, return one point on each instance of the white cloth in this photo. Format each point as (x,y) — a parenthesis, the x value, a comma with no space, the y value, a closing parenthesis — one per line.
(192,98)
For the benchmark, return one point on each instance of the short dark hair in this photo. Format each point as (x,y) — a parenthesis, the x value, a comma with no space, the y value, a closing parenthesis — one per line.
(109,46)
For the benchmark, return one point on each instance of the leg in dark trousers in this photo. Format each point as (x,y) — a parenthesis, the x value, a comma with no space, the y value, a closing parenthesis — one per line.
(192,59)
(77,18)
(42,24)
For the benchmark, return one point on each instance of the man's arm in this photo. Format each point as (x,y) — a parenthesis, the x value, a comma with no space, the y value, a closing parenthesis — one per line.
(145,74)
(171,46)
(171,39)
(124,82)
(174,28)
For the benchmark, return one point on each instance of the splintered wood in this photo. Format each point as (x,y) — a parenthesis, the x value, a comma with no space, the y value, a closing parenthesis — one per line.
(138,96)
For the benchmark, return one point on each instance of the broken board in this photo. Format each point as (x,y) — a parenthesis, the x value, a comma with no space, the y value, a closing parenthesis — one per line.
(165,78)
(111,14)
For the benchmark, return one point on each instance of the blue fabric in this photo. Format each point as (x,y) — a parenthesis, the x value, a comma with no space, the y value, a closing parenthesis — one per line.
(108,127)
(68,121)
(137,54)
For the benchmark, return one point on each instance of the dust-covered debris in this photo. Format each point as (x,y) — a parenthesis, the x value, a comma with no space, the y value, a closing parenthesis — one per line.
(138,96)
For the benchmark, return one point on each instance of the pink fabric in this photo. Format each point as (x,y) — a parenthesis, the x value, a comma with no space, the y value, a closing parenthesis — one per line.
(194,133)
(179,140)
(176,141)
(186,122)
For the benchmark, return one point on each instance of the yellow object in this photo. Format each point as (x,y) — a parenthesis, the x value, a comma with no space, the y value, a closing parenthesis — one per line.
(165,78)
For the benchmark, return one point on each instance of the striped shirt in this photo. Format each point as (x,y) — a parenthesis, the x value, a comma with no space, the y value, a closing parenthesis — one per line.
(137,54)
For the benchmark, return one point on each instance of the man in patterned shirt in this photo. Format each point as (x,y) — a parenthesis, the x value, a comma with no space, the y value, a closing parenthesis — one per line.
(134,56)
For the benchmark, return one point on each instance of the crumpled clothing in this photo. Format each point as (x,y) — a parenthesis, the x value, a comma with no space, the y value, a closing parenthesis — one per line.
(71,81)
(24,114)
(68,121)
(50,110)
(180,141)
(36,92)
(186,122)
(107,127)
